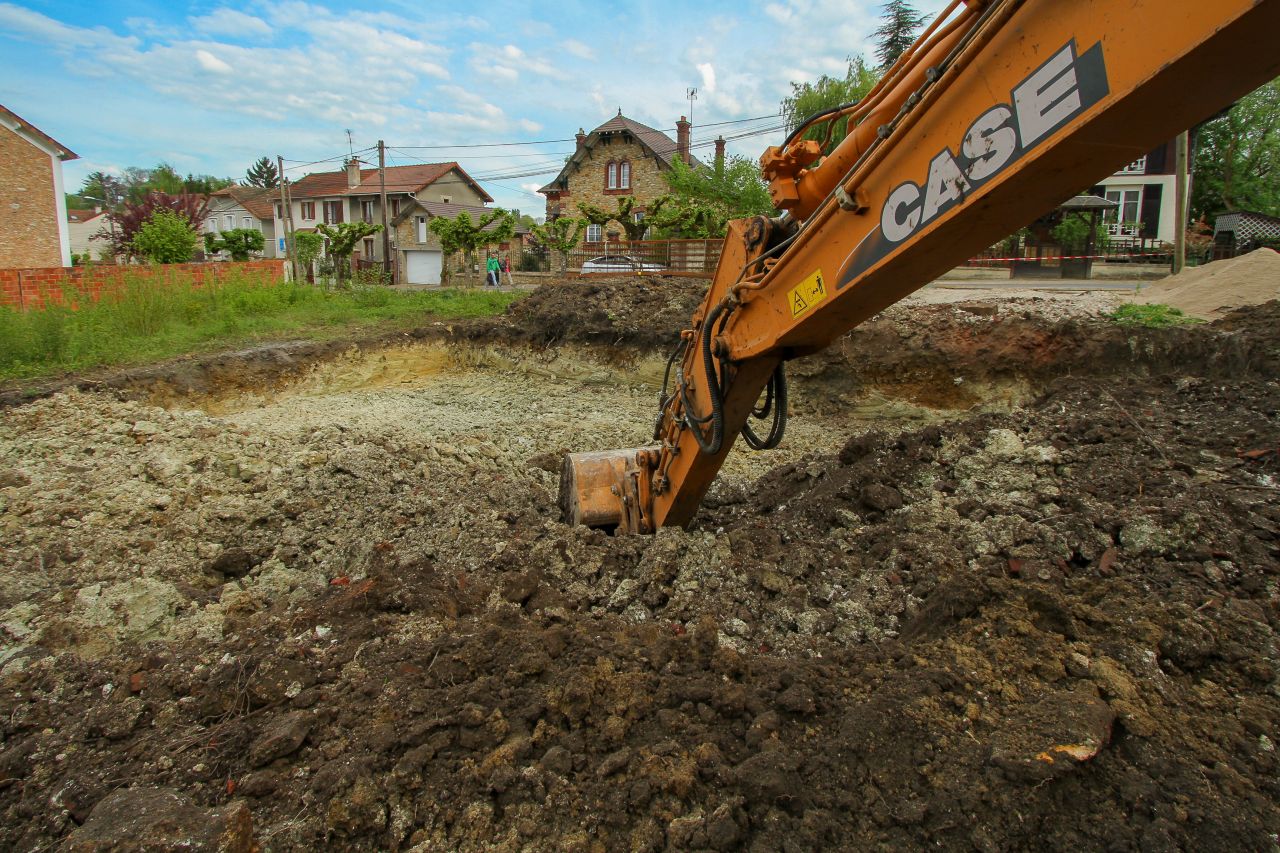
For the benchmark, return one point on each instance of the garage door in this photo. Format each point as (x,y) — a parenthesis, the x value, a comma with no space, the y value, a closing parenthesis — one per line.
(422,267)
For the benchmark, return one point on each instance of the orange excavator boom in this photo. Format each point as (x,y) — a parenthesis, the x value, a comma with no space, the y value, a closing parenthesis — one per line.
(1003,109)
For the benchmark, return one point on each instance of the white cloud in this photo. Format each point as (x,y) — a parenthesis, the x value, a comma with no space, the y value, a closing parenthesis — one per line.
(209,62)
(229,22)
(573,47)
(708,72)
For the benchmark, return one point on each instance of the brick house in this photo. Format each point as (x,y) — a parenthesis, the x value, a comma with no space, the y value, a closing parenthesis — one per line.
(419,256)
(621,157)
(250,208)
(33,209)
(351,195)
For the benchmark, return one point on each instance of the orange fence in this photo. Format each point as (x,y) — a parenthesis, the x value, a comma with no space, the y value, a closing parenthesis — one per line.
(33,288)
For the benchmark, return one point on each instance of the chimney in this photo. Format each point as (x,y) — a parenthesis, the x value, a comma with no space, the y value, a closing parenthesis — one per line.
(582,138)
(353,172)
(682,139)
(719,155)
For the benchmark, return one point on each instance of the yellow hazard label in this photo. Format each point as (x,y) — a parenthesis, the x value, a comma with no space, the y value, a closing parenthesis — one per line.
(807,294)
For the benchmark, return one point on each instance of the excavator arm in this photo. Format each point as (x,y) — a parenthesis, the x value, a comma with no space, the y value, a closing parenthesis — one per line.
(1001,110)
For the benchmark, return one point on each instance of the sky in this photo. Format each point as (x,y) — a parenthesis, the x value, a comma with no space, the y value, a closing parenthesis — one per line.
(211,88)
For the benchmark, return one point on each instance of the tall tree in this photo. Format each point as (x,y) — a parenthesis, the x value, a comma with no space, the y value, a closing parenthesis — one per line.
(806,99)
(1237,157)
(898,32)
(262,173)
(702,200)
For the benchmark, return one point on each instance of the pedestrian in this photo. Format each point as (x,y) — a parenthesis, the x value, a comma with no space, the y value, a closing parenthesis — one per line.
(492,266)
(506,268)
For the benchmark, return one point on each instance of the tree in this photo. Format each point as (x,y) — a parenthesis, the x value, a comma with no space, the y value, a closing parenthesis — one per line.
(166,238)
(125,221)
(204,184)
(624,216)
(239,242)
(560,236)
(702,200)
(307,246)
(262,173)
(343,238)
(807,99)
(1237,157)
(897,33)
(463,234)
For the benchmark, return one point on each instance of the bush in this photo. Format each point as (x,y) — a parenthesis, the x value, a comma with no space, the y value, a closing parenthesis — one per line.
(239,242)
(166,238)
(1154,316)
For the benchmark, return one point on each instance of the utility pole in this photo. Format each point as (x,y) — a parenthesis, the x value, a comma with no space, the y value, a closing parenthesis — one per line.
(382,204)
(1180,204)
(286,218)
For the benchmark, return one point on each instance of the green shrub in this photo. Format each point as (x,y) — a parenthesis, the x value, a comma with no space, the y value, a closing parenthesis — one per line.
(166,238)
(1155,316)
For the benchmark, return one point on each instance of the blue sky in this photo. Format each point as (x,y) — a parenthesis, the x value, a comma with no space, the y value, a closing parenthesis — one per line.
(210,88)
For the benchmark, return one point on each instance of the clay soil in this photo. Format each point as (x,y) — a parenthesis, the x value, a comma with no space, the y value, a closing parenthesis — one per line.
(1010,584)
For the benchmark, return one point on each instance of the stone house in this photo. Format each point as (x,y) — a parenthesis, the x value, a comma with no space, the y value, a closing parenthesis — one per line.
(420,259)
(251,208)
(352,195)
(34,231)
(621,157)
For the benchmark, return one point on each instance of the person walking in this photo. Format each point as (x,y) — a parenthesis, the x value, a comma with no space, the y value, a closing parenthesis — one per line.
(493,267)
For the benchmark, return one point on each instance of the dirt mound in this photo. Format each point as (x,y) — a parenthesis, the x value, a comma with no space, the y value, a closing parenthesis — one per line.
(635,311)
(1215,289)
(1052,628)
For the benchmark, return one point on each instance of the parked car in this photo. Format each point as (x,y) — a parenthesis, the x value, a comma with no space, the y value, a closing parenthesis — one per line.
(619,263)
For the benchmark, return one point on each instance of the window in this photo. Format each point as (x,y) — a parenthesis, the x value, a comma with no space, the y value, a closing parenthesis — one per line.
(368,248)
(366,211)
(611,176)
(229,222)
(332,212)
(247,223)
(309,210)
(395,207)
(211,225)
(279,211)
(1123,221)
(594,233)
(446,198)
(422,229)
(624,175)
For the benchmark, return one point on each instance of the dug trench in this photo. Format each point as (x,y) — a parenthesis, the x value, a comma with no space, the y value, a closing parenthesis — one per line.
(1010,583)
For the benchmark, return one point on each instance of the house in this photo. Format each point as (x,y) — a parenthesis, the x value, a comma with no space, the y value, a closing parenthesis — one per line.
(352,195)
(1242,231)
(34,231)
(252,208)
(82,225)
(1145,191)
(621,157)
(420,258)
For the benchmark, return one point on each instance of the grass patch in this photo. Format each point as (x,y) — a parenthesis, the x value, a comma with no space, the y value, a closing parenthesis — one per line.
(159,317)
(1155,316)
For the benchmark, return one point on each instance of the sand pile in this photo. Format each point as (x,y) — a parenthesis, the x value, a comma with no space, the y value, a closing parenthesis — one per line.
(1214,290)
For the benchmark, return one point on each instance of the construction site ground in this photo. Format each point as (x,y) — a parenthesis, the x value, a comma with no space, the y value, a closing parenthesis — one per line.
(1009,583)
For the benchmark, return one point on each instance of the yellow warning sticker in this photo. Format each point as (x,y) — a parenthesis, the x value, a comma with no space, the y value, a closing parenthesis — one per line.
(807,294)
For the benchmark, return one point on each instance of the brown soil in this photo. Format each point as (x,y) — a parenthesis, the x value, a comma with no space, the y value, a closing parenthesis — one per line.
(1217,289)
(1052,627)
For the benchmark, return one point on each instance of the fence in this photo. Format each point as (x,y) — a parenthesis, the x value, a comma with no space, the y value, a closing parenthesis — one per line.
(1116,250)
(32,288)
(689,256)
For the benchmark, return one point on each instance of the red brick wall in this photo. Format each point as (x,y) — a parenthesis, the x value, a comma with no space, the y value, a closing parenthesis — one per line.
(32,288)
(28,206)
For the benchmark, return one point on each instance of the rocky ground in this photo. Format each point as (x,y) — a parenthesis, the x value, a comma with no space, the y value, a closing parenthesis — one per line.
(1010,583)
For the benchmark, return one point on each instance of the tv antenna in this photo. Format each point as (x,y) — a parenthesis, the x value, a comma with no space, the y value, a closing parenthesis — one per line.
(351,146)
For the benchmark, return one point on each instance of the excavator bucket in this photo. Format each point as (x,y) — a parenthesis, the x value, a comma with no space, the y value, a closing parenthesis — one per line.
(602,489)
